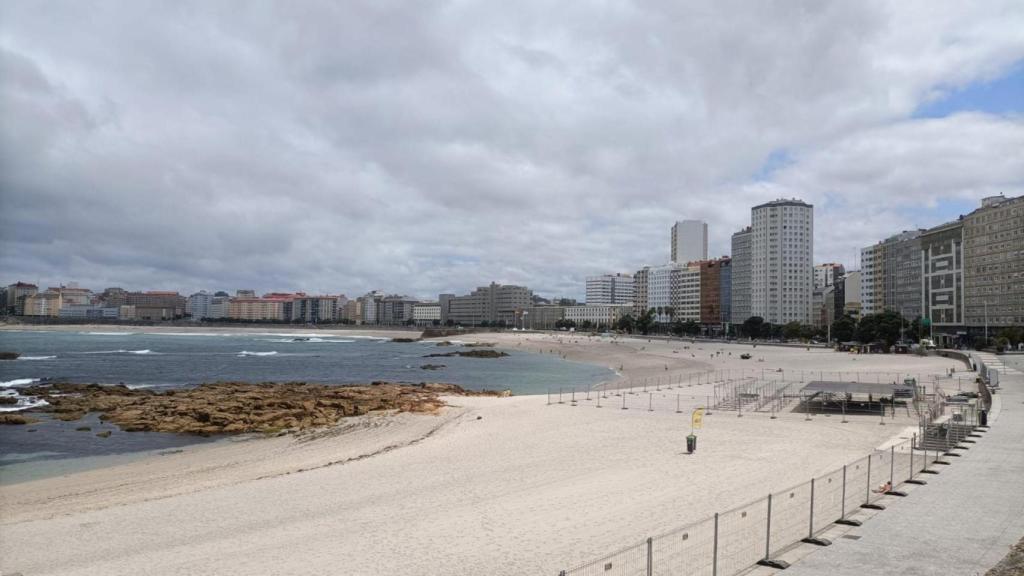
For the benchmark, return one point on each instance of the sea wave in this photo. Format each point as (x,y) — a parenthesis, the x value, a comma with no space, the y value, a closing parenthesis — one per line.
(303,339)
(33,402)
(107,333)
(36,357)
(192,334)
(18,382)
(121,351)
(247,353)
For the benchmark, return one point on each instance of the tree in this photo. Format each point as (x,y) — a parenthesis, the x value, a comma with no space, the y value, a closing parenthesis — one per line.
(691,328)
(564,323)
(791,331)
(844,329)
(645,321)
(587,325)
(752,327)
(670,311)
(882,327)
(626,323)
(678,328)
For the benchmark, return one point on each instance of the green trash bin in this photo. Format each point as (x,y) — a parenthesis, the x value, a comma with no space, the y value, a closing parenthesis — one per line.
(691,444)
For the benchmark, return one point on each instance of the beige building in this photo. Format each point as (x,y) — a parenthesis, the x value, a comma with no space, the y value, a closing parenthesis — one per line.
(43,304)
(994,263)
(256,309)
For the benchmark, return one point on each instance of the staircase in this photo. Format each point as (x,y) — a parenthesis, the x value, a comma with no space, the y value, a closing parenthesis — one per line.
(943,436)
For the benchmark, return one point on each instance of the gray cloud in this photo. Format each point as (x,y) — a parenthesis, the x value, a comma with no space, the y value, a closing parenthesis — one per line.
(432,147)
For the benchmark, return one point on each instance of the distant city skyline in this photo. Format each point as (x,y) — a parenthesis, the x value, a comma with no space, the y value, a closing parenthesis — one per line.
(148,146)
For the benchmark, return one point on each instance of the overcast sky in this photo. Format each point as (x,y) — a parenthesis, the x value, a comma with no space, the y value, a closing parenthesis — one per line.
(426,147)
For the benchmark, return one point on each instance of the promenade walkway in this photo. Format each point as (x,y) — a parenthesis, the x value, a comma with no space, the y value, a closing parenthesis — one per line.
(962,523)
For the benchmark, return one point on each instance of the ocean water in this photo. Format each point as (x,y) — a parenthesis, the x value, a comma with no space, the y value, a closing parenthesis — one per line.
(163,360)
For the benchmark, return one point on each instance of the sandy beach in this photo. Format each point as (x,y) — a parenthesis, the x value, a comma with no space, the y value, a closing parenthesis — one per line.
(488,486)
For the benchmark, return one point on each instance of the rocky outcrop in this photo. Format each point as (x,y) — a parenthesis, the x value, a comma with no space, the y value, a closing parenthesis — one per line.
(432,366)
(469,354)
(16,419)
(9,355)
(406,340)
(234,407)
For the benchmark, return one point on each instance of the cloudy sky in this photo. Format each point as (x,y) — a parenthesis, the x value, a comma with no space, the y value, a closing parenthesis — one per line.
(425,147)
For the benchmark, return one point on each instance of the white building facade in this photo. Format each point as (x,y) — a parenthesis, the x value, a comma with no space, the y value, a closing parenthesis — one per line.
(198,305)
(426,312)
(782,269)
(610,289)
(597,314)
(689,241)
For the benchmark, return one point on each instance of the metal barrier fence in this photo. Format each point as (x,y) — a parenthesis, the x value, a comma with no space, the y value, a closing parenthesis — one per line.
(736,375)
(761,531)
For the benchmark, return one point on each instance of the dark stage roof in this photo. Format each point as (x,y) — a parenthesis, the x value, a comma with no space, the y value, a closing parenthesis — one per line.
(857,388)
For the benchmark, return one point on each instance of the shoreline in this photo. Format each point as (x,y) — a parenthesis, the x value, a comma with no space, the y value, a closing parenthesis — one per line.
(484,479)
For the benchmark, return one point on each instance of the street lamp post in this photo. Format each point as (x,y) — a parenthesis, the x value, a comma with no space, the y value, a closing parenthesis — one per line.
(986,322)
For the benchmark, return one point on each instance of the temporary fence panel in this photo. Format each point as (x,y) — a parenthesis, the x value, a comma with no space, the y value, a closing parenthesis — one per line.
(791,511)
(901,465)
(688,551)
(630,561)
(828,501)
(879,469)
(856,481)
(741,537)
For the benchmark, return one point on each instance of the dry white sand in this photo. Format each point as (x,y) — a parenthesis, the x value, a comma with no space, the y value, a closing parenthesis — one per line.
(491,486)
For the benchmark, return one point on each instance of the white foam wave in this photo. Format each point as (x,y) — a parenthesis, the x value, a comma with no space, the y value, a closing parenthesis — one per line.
(303,339)
(192,334)
(32,403)
(247,353)
(107,333)
(121,351)
(36,357)
(18,382)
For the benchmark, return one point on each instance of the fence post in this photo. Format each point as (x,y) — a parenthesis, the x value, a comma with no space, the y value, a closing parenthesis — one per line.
(708,404)
(714,552)
(650,401)
(810,531)
(912,480)
(624,402)
(842,518)
(549,396)
(892,491)
(598,400)
(867,490)
(766,561)
(573,397)
(560,395)
(677,404)
(650,557)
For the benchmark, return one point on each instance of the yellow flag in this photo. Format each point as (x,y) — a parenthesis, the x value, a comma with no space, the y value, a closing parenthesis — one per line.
(698,418)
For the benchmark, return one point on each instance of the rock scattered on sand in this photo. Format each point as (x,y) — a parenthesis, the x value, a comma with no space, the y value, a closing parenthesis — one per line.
(104,434)
(469,354)
(235,407)
(83,429)
(432,366)
(16,419)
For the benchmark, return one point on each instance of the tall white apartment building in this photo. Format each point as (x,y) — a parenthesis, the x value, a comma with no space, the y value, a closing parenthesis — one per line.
(689,241)
(609,289)
(198,305)
(659,284)
(872,269)
(782,269)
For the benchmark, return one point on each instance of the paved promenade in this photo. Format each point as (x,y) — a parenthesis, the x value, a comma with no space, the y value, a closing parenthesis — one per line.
(962,523)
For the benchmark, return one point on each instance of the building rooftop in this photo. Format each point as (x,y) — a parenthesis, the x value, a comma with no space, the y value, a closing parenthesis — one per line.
(784,202)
